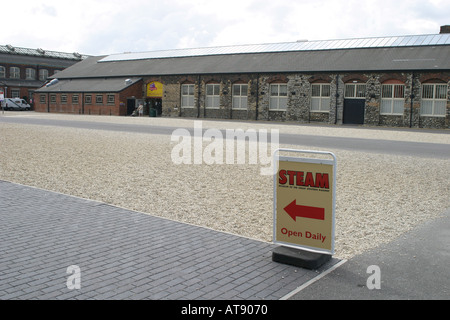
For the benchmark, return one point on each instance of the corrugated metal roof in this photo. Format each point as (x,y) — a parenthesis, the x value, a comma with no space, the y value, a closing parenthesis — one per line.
(379,42)
(343,60)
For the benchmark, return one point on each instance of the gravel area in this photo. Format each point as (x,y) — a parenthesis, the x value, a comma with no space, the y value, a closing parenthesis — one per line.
(379,197)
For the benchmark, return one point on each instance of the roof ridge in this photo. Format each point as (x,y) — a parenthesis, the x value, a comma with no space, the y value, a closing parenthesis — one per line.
(300,45)
(41,52)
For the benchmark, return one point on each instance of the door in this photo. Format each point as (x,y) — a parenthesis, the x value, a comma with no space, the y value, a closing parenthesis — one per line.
(131,105)
(156,103)
(354,102)
(354,111)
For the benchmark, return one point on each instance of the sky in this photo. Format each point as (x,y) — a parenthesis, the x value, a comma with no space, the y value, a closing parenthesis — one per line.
(102,27)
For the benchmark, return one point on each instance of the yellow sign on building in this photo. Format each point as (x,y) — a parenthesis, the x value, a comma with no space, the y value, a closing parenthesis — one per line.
(155,89)
(304,203)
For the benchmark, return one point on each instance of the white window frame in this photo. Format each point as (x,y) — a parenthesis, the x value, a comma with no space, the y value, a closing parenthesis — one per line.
(320,97)
(240,96)
(2,72)
(392,99)
(14,73)
(212,96)
(438,106)
(110,99)
(30,74)
(43,74)
(187,96)
(278,98)
(355,91)
(99,99)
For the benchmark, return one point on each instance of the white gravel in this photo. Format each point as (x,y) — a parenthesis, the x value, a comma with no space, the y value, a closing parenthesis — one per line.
(379,197)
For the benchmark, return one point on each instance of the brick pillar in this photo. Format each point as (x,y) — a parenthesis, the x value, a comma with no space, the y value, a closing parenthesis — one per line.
(445,29)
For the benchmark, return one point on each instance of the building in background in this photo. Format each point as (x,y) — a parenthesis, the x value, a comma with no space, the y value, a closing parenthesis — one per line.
(24,70)
(398,81)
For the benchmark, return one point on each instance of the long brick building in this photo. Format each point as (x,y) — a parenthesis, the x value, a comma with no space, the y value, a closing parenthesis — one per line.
(24,70)
(399,81)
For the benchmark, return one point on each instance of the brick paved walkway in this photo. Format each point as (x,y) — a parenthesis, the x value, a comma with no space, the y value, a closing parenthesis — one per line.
(124,254)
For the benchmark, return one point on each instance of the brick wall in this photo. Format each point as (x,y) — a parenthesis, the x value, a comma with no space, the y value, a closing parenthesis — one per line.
(64,102)
(299,88)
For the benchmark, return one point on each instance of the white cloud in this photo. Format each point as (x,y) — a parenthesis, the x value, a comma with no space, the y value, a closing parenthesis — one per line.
(112,26)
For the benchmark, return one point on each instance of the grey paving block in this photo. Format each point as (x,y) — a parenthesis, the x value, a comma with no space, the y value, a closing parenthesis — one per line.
(123,254)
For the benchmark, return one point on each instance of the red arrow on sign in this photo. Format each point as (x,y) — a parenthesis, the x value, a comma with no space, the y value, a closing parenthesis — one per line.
(304,211)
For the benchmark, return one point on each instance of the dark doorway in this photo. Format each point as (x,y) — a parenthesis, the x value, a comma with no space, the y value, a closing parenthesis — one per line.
(156,103)
(354,111)
(131,105)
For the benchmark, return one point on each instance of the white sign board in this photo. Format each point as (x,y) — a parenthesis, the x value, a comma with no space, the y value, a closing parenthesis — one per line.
(304,202)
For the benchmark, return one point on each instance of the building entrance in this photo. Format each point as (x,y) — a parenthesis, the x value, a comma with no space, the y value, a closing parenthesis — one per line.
(131,105)
(155,103)
(354,102)
(354,111)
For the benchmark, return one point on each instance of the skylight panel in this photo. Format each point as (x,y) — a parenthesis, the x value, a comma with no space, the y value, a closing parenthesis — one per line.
(379,42)
(444,39)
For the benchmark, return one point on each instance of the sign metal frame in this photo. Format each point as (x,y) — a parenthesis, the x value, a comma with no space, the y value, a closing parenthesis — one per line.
(333,162)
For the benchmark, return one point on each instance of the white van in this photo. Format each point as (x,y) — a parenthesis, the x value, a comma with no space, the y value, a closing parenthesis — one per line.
(15,104)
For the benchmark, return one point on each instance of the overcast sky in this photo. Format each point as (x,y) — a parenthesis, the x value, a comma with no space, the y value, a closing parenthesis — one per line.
(97,27)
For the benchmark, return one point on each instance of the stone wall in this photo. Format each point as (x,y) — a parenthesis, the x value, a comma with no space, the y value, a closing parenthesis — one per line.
(299,89)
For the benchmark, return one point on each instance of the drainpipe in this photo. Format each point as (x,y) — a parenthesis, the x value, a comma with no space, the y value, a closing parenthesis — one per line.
(82,103)
(198,98)
(337,99)
(257,97)
(412,100)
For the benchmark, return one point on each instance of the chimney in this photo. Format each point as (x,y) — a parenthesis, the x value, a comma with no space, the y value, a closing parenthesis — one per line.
(445,29)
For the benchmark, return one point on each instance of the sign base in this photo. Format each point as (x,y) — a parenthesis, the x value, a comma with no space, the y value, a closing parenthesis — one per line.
(299,258)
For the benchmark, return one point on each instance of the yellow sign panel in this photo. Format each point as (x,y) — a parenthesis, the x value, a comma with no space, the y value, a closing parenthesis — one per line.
(155,89)
(304,204)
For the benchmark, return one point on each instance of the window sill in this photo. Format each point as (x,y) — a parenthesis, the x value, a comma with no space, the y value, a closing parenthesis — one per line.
(433,115)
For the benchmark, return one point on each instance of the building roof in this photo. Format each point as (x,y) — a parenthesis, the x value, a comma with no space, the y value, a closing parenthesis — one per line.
(429,52)
(9,49)
(36,61)
(89,85)
(301,45)
(17,83)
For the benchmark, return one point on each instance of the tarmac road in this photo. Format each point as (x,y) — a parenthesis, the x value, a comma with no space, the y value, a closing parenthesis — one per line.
(419,149)
(413,267)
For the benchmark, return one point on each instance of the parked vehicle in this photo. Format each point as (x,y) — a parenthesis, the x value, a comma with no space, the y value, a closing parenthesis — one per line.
(15,104)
